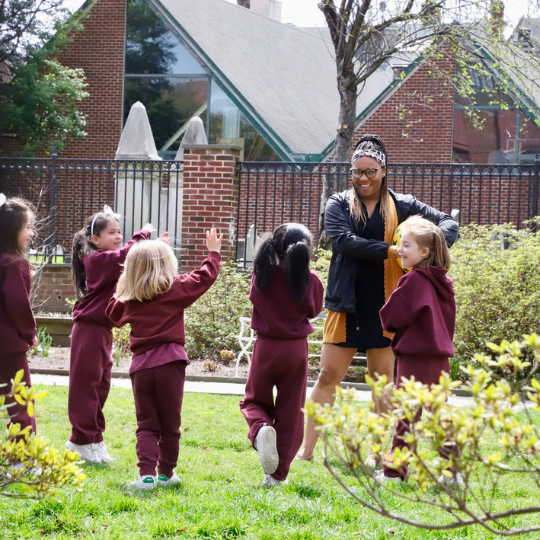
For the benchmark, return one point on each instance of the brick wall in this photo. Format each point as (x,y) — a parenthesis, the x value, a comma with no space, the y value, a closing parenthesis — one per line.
(210,199)
(99,49)
(416,121)
(53,285)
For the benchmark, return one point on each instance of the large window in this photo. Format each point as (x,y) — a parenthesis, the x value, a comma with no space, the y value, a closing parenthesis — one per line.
(173,86)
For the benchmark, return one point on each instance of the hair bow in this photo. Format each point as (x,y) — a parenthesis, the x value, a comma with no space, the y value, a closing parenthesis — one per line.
(108,211)
(3,199)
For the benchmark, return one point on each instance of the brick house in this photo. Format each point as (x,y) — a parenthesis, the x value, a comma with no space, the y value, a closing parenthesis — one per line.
(267,87)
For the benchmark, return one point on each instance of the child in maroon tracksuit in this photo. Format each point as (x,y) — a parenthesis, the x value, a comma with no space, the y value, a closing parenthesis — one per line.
(97,260)
(17,324)
(422,313)
(285,294)
(151,296)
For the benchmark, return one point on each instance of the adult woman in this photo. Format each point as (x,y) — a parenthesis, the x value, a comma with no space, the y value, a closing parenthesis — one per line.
(361,222)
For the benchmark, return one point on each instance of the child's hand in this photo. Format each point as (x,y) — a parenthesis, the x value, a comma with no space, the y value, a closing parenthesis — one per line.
(213,241)
(149,227)
(165,237)
(34,343)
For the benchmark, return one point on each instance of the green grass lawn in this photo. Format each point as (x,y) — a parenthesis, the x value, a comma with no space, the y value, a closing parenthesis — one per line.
(221,494)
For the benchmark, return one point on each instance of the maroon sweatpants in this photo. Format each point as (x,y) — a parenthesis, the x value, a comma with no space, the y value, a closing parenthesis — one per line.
(90,368)
(283,364)
(9,365)
(158,395)
(426,371)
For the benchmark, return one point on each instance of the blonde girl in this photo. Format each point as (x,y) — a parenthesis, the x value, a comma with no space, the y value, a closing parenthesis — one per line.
(151,296)
(422,313)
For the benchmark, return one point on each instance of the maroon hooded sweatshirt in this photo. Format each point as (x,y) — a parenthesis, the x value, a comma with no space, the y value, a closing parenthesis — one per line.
(276,315)
(161,320)
(422,313)
(17,323)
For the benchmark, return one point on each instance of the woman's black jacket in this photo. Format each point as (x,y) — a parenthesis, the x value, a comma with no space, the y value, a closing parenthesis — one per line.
(349,249)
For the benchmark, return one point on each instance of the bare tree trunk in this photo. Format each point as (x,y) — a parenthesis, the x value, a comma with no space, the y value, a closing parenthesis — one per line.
(347,118)
(342,148)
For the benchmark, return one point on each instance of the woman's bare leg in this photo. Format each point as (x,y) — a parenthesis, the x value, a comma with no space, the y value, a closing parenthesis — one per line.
(335,362)
(381,362)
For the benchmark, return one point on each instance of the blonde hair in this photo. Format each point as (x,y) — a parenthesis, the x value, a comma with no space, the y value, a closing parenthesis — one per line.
(149,270)
(428,235)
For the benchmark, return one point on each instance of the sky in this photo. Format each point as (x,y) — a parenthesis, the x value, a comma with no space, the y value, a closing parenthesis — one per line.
(306,12)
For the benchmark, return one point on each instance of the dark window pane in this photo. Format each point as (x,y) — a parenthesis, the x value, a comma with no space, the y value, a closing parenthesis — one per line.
(151,48)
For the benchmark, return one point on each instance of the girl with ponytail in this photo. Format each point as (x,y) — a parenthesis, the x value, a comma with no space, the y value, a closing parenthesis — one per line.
(285,294)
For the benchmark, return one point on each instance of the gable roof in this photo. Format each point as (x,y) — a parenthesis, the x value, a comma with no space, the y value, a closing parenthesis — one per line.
(281,77)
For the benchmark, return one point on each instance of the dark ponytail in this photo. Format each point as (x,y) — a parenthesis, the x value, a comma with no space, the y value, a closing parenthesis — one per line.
(82,246)
(77,266)
(291,245)
(297,259)
(264,262)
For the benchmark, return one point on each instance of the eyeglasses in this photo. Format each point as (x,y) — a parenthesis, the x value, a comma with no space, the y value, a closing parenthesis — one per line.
(370,173)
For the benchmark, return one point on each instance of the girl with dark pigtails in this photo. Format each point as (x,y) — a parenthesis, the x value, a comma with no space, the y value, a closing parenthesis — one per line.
(285,294)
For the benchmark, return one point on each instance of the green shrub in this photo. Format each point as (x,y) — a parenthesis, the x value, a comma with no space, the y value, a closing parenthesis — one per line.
(497,291)
(121,343)
(44,342)
(212,321)
(322,264)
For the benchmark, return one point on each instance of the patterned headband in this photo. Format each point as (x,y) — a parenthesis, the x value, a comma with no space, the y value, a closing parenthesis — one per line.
(107,210)
(377,155)
(3,199)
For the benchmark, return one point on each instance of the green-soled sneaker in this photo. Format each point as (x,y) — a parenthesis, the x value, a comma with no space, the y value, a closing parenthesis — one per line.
(164,481)
(146,481)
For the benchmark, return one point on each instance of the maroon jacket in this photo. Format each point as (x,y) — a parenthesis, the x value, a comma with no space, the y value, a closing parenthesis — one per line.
(17,323)
(103,269)
(161,319)
(422,313)
(275,312)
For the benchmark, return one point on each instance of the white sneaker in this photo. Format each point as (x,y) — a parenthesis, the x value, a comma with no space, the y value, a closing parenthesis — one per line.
(102,453)
(86,451)
(147,481)
(454,480)
(265,443)
(162,480)
(381,478)
(270,481)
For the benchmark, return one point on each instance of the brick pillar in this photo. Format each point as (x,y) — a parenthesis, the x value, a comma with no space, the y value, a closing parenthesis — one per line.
(210,199)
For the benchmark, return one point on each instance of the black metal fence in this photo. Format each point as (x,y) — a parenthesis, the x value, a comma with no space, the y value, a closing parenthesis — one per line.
(67,191)
(272,193)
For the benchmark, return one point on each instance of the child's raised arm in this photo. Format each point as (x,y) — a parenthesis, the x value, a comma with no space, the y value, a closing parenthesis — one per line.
(213,240)
(149,227)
